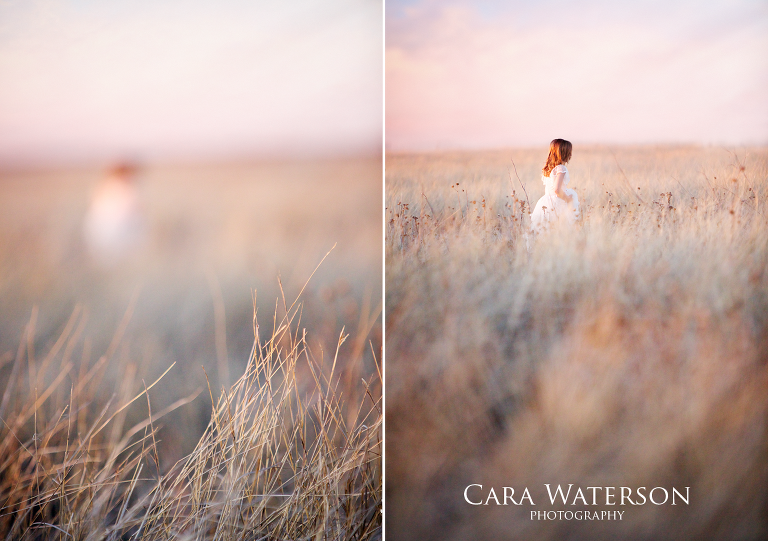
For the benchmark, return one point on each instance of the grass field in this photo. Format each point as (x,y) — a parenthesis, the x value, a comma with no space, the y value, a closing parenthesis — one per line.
(236,439)
(629,350)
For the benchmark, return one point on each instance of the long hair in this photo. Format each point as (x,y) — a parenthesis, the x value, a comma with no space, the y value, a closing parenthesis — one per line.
(559,152)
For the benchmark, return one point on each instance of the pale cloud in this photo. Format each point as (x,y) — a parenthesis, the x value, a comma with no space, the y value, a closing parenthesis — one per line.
(459,77)
(184,78)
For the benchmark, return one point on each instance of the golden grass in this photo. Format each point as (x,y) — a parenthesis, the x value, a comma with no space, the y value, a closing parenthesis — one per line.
(293,449)
(628,351)
(213,234)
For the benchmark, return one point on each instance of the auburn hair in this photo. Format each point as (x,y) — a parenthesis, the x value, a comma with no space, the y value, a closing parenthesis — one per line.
(559,153)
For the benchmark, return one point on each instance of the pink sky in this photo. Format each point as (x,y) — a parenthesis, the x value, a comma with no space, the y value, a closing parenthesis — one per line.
(84,79)
(490,74)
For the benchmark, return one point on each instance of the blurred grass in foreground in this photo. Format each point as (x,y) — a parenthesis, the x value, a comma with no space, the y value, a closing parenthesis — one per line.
(629,351)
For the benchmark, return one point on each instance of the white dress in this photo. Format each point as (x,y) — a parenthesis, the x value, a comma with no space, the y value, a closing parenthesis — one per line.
(550,208)
(113,225)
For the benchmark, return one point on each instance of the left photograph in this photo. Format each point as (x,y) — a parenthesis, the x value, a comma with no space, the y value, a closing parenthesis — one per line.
(191,270)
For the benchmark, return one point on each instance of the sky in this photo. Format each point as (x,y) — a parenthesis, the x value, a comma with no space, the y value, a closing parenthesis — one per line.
(489,74)
(168,79)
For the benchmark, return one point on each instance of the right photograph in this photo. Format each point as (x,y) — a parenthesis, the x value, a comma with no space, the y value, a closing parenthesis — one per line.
(576,270)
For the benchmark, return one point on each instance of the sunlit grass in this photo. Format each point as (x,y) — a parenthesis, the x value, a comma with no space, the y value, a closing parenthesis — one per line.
(626,351)
(293,449)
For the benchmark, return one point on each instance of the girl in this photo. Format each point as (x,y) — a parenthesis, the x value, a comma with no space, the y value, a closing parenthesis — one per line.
(559,204)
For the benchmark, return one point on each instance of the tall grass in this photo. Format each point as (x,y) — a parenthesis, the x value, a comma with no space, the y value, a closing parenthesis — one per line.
(212,232)
(293,449)
(630,350)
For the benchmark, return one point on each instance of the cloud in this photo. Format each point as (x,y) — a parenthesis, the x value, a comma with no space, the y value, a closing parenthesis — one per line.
(187,77)
(459,77)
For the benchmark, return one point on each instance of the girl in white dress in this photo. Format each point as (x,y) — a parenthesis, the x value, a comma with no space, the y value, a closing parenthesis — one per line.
(559,204)
(114,224)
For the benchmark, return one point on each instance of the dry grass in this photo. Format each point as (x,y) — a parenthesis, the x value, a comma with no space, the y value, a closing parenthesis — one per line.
(630,350)
(293,449)
(94,335)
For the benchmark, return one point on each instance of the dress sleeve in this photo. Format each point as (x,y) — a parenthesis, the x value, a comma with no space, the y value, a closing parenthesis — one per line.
(560,169)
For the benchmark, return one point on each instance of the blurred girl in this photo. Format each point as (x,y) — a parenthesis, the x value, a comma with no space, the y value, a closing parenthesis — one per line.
(113,226)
